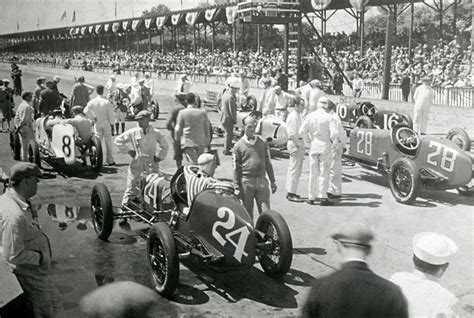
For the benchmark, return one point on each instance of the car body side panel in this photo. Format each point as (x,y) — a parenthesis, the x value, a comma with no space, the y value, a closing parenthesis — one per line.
(270,128)
(371,144)
(63,143)
(222,221)
(386,119)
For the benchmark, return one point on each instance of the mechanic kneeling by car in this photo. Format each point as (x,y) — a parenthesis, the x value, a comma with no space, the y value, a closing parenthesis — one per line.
(82,125)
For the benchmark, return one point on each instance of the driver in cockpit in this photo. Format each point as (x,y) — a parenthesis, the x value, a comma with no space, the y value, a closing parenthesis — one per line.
(200,177)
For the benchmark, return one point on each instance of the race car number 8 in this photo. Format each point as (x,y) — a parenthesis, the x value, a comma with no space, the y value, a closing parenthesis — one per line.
(364,142)
(443,155)
(228,225)
(67,145)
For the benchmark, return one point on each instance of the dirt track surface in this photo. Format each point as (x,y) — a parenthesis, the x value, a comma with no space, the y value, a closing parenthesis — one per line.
(83,262)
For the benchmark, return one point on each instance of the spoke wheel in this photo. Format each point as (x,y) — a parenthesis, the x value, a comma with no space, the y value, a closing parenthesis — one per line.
(404,180)
(460,137)
(364,122)
(163,259)
(277,255)
(102,212)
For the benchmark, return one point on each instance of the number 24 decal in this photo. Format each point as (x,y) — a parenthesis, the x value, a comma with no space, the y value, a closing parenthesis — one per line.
(243,232)
(443,155)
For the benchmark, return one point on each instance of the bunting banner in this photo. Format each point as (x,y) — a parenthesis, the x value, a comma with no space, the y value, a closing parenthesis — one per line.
(97,28)
(83,30)
(125,25)
(319,5)
(106,27)
(231,14)
(191,17)
(91,29)
(71,31)
(115,27)
(147,23)
(175,18)
(160,21)
(209,14)
(136,24)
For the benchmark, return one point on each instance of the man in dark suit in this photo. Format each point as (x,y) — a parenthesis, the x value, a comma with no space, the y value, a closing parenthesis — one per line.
(229,114)
(354,290)
(50,99)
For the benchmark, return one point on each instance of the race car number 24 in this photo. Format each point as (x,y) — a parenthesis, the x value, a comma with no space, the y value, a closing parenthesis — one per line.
(229,236)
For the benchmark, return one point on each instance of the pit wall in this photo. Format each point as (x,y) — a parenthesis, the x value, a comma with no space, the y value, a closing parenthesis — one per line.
(442,118)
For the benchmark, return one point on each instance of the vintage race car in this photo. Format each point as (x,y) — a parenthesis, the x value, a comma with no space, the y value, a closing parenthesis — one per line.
(59,142)
(365,115)
(216,229)
(411,161)
(270,127)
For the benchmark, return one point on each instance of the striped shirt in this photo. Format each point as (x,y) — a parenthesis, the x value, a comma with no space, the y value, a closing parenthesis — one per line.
(196,182)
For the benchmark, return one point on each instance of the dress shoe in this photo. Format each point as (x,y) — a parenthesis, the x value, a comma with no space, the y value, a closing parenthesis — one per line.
(326,202)
(311,202)
(293,197)
(111,164)
(227,153)
(333,196)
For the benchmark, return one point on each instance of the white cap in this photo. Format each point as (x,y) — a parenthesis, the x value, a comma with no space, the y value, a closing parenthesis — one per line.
(56,78)
(323,102)
(205,158)
(235,83)
(433,248)
(112,76)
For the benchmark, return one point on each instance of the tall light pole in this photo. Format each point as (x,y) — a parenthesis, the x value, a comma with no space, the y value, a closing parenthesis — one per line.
(359,5)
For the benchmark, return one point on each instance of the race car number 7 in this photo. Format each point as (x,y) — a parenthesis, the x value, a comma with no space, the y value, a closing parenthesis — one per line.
(243,232)
(441,155)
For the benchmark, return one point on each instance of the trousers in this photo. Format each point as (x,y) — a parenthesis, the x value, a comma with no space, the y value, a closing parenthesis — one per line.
(27,135)
(228,136)
(335,174)
(138,166)
(319,166)
(105,135)
(295,165)
(257,189)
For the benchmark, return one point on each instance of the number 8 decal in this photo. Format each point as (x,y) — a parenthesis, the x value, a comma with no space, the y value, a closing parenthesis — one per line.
(66,145)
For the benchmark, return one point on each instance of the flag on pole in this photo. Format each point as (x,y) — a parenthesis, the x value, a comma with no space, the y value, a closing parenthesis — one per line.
(38,22)
(17,26)
(73,16)
(63,16)
(115,8)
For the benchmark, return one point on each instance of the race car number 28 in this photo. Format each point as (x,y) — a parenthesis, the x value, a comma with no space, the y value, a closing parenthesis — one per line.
(364,142)
(237,238)
(442,156)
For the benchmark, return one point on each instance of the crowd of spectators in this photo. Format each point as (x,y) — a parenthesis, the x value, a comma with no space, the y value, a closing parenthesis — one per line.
(447,62)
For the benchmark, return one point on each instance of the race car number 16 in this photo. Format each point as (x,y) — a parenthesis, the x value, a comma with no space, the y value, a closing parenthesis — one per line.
(242,232)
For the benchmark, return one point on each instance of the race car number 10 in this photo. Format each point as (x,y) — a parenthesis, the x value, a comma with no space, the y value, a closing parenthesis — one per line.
(242,232)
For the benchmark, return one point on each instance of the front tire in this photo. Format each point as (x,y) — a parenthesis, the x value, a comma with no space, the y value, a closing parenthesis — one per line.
(163,259)
(460,137)
(404,180)
(276,260)
(102,212)
(96,157)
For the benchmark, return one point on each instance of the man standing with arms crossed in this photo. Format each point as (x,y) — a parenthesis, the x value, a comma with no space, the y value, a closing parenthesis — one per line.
(296,151)
(229,114)
(193,129)
(101,110)
(26,248)
(251,160)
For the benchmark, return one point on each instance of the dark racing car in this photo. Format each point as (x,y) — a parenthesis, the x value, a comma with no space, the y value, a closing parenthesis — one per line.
(216,229)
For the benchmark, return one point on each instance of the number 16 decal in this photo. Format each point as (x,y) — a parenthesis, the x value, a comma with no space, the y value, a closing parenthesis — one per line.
(242,232)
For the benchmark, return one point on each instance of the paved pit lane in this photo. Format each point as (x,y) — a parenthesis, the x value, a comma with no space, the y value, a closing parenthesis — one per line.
(83,262)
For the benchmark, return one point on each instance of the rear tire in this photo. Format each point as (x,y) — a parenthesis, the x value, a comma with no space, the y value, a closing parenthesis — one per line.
(96,157)
(163,259)
(364,122)
(460,137)
(404,180)
(276,262)
(102,212)
(33,153)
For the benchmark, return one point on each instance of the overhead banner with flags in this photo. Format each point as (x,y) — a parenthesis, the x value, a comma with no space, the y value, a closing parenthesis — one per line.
(231,14)
(160,21)
(106,27)
(83,30)
(175,18)
(136,24)
(125,25)
(191,17)
(91,29)
(319,5)
(209,14)
(147,23)
(98,28)
(115,27)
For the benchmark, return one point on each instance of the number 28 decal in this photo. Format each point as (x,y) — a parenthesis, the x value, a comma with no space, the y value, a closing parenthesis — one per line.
(230,234)
(442,156)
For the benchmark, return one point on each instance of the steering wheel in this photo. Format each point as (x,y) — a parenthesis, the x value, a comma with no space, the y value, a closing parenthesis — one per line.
(407,138)
(180,188)
(368,109)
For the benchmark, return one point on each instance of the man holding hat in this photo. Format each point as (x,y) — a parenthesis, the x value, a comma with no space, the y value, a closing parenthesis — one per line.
(26,248)
(423,97)
(354,290)
(229,114)
(140,143)
(24,118)
(318,128)
(426,297)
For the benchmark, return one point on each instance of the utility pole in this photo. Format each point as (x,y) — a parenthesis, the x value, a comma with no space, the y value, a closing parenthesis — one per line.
(388,53)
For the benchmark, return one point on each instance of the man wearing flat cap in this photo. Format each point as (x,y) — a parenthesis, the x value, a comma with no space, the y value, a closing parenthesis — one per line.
(354,290)
(423,97)
(425,295)
(200,177)
(140,143)
(26,248)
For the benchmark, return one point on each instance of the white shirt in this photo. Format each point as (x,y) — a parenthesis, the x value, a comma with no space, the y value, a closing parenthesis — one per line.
(314,96)
(293,125)
(425,296)
(305,92)
(101,110)
(136,95)
(277,102)
(423,96)
(143,144)
(183,87)
(112,89)
(150,83)
(317,128)
(357,83)
(341,136)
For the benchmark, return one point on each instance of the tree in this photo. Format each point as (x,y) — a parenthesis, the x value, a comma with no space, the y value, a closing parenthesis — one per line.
(161,9)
